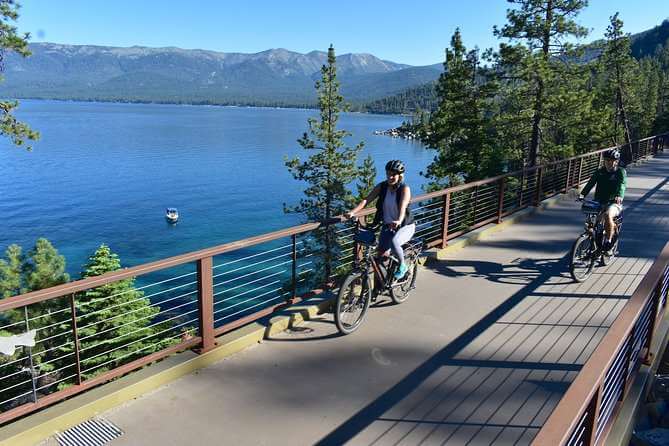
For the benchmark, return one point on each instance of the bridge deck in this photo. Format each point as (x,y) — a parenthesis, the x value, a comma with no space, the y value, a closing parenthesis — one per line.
(480,354)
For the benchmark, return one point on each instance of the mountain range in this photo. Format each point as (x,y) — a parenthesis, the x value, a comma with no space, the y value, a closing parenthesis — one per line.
(276,77)
(272,77)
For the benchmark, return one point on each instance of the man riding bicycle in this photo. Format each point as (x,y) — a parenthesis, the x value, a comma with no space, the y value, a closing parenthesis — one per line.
(611,181)
(392,208)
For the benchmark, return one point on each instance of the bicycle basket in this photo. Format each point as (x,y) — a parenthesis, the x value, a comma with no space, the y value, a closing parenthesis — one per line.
(365,236)
(591,207)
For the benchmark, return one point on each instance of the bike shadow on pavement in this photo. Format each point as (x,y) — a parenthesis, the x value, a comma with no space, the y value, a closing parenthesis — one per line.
(518,272)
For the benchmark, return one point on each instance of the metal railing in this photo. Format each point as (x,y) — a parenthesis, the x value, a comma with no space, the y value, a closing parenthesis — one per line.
(96,329)
(585,414)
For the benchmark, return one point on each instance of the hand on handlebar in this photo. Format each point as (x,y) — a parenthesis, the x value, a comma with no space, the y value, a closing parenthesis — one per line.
(581,197)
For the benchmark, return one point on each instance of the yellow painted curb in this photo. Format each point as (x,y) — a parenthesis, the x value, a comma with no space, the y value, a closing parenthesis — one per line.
(41,425)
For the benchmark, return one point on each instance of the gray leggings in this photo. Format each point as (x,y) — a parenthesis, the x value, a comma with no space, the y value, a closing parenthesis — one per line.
(394,240)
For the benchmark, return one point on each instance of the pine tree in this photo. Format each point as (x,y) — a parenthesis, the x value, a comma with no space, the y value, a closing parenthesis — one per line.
(44,267)
(10,271)
(10,127)
(332,165)
(460,129)
(115,320)
(534,64)
(620,68)
(366,178)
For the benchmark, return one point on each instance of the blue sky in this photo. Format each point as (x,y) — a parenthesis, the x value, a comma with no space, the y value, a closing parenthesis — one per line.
(413,32)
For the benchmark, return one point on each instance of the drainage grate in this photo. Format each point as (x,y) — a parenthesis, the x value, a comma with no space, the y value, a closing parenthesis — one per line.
(94,432)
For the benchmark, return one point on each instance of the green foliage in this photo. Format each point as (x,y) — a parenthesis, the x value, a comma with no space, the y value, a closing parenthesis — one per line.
(366,178)
(114,319)
(10,127)
(331,167)
(411,100)
(116,323)
(460,129)
(538,69)
(10,271)
(44,267)
(620,73)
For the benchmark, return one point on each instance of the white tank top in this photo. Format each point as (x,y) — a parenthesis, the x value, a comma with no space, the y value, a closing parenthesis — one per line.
(390,211)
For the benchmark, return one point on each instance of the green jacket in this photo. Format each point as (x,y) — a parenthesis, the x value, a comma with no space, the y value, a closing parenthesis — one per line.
(609,185)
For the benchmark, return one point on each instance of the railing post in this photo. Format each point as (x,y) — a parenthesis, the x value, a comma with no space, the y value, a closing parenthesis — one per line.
(580,170)
(75,334)
(500,206)
(567,182)
(205,286)
(653,320)
(594,411)
(447,209)
(539,177)
(522,185)
(476,202)
(30,356)
(294,268)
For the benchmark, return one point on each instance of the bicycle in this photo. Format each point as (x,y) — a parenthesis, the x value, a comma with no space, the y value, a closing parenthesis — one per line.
(589,246)
(371,278)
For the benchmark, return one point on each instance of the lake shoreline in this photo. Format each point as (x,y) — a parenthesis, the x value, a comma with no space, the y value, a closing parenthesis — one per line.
(190,104)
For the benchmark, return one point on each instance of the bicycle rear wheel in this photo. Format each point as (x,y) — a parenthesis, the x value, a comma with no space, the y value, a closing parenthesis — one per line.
(582,258)
(399,291)
(352,302)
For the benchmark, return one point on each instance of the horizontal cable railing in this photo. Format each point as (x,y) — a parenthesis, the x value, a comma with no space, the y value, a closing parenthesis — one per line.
(96,329)
(585,414)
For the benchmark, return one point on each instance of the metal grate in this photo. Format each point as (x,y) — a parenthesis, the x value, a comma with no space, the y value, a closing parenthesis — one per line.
(93,432)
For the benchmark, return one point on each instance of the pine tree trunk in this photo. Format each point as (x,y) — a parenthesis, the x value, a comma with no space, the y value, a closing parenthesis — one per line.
(539,97)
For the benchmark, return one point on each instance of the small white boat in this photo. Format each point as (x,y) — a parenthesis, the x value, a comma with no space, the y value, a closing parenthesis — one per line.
(172,215)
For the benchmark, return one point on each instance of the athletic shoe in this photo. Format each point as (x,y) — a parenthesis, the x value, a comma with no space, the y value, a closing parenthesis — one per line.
(401,271)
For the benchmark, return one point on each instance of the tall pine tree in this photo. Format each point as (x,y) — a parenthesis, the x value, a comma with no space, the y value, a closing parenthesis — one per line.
(331,165)
(619,68)
(10,40)
(535,62)
(460,129)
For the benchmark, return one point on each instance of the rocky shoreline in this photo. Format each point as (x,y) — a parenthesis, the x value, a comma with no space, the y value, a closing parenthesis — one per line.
(398,132)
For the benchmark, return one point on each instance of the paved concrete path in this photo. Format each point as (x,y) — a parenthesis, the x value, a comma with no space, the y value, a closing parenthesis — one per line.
(480,354)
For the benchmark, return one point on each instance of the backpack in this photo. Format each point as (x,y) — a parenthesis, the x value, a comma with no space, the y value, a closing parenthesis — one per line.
(378,217)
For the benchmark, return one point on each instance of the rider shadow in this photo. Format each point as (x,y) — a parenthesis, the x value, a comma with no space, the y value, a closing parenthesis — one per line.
(520,271)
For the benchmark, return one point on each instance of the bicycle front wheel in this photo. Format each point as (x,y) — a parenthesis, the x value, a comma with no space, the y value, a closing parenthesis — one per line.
(582,258)
(352,302)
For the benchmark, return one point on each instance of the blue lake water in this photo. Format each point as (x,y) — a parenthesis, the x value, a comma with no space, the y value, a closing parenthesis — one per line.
(104,173)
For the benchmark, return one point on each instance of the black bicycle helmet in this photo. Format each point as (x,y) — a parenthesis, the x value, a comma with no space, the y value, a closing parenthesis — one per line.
(612,154)
(395,166)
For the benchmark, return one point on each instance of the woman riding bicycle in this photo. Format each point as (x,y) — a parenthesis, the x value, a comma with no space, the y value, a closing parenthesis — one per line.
(611,181)
(392,208)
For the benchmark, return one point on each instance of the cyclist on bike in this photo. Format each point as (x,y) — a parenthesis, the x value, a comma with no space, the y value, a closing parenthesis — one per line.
(392,208)
(611,181)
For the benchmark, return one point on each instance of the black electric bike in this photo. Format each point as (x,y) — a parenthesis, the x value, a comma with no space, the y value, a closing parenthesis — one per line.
(589,246)
(372,277)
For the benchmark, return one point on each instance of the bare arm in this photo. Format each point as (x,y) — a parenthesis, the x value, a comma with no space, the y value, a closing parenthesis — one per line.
(372,195)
